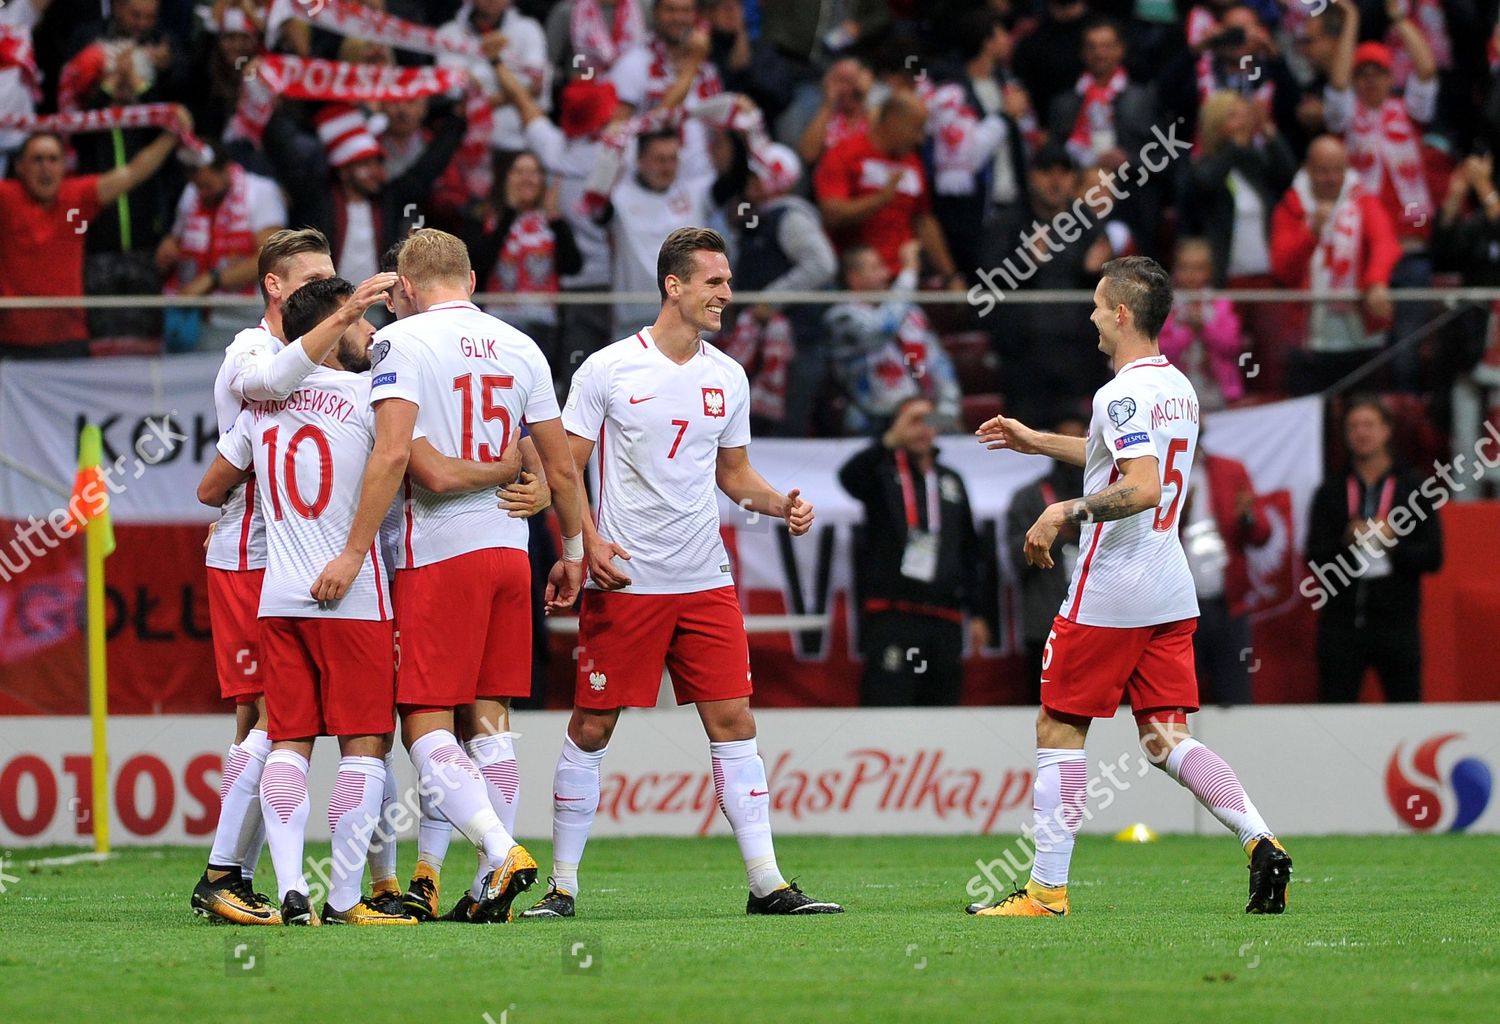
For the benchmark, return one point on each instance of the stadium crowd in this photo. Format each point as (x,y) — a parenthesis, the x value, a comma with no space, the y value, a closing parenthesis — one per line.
(961,145)
(978,148)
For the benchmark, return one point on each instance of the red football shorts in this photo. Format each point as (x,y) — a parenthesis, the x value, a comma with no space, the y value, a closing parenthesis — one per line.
(1090,670)
(233,604)
(465,629)
(624,641)
(329,677)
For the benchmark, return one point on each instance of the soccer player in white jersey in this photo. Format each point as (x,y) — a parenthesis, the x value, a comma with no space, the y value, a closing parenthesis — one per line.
(668,417)
(330,664)
(256,367)
(463,593)
(1125,630)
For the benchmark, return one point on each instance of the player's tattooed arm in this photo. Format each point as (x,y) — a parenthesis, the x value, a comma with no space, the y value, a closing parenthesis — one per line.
(1138,489)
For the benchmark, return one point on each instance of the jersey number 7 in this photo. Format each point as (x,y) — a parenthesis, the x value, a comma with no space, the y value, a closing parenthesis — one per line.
(489,409)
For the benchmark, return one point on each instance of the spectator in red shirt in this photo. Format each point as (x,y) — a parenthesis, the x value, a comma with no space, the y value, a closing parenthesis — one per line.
(1329,234)
(872,190)
(846,85)
(44,217)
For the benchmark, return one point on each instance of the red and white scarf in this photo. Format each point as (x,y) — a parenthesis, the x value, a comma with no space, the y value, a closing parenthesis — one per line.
(16,52)
(1335,261)
(212,237)
(1428,16)
(765,351)
(602,44)
(528,259)
(1385,142)
(720,111)
(353,20)
(140,115)
(1097,112)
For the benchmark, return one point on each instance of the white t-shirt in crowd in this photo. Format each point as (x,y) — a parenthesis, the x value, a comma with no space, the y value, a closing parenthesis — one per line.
(1132,572)
(473,379)
(657,428)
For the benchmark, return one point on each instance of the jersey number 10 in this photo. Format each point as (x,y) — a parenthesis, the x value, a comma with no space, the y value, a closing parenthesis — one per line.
(489,409)
(300,505)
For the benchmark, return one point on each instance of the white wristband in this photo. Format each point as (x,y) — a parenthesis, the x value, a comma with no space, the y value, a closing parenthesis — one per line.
(573,548)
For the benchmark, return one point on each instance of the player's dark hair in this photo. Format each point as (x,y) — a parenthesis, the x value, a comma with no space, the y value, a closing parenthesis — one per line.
(678,254)
(391,256)
(313,303)
(1140,285)
(282,246)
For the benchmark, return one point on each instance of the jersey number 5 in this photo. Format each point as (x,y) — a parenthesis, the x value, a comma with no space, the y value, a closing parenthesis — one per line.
(489,409)
(1171,476)
(312,433)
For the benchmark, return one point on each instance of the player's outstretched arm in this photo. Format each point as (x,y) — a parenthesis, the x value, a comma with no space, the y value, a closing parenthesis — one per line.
(566,577)
(263,376)
(749,490)
(444,474)
(1138,489)
(394,420)
(1002,432)
(219,480)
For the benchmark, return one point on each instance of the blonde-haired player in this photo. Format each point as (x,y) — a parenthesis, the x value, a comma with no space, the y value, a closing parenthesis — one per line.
(466,381)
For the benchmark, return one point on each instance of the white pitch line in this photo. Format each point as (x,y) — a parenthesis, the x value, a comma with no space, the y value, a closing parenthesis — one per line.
(76,858)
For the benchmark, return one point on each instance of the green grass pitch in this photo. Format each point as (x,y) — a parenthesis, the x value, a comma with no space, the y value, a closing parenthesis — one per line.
(1378,929)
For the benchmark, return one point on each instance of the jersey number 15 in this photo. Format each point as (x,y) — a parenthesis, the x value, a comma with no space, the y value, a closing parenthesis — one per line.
(489,409)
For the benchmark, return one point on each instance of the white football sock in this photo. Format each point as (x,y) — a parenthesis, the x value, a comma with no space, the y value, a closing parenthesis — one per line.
(495,757)
(382,855)
(575,800)
(745,799)
(433,835)
(1057,802)
(283,800)
(460,795)
(1216,786)
(353,812)
(253,834)
(239,805)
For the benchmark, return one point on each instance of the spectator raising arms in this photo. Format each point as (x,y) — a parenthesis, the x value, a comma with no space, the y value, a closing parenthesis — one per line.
(44,217)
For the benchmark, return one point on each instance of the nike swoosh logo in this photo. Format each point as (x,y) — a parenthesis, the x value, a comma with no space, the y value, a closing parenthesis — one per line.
(637,401)
(764,792)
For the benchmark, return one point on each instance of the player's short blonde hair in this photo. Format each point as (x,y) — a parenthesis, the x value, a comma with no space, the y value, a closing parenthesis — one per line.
(430,257)
(282,247)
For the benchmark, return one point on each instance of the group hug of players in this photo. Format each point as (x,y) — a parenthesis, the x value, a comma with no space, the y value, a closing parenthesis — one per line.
(370,560)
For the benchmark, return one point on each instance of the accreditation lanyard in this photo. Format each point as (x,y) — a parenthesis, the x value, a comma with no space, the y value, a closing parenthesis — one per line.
(909,495)
(1387,498)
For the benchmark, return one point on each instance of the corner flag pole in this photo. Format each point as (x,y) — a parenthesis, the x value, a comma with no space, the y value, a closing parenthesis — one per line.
(91,504)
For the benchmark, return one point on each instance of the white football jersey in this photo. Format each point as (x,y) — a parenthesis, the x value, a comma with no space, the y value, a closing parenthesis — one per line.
(309,454)
(473,379)
(1133,572)
(239,537)
(657,429)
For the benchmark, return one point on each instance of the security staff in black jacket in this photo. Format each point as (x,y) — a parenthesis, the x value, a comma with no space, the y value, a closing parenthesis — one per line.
(919,565)
(1372,535)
